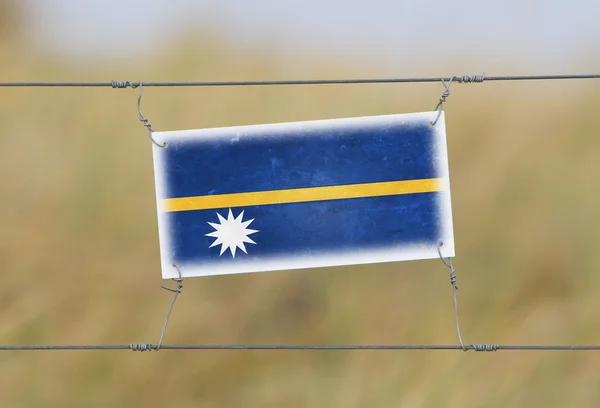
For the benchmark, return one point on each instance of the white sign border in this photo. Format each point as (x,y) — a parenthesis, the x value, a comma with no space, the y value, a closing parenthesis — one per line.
(331,259)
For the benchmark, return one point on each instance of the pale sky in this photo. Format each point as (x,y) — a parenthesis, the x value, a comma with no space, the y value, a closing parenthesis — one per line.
(545,35)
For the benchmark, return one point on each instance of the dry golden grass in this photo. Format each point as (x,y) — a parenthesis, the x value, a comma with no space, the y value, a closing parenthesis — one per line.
(79,249)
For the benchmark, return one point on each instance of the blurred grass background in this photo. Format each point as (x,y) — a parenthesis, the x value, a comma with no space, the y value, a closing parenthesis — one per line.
(79,246)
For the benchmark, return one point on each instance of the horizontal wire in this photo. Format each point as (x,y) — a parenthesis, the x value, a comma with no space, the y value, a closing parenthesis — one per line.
(460,79)
(149,347)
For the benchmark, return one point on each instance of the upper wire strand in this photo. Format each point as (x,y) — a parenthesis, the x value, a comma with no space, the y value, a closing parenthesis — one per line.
(463,79)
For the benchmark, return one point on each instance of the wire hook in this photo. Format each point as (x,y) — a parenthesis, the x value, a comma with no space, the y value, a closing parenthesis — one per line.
(449,265)
(440,105)
(177,291)
(145,121)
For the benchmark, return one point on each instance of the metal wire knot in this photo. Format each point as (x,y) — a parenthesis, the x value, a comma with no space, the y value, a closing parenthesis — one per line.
(445,94)
(177,289)
(466,79)
(124,84)
(141,347)
(449,266)
(440,105)
(485,347)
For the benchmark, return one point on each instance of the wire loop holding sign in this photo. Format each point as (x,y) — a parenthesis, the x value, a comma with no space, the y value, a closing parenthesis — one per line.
(177,291)
(454,290)
(143,118)
(465,79)
(475,347)
(443,98)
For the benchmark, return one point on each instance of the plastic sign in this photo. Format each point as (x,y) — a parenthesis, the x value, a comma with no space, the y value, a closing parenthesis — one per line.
(303,195)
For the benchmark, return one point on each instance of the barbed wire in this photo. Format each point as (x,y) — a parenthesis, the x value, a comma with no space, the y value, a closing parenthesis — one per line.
(459,79)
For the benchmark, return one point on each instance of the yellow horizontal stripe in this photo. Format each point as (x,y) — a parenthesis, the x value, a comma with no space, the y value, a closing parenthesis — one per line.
(299,195)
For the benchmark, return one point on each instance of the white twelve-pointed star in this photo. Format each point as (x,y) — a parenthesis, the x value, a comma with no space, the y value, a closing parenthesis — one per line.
(231,233)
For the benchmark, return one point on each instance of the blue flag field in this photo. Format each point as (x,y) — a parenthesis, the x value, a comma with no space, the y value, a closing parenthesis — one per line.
(303,195)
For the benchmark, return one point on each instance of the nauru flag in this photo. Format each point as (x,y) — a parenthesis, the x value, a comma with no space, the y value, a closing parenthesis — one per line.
(303,194)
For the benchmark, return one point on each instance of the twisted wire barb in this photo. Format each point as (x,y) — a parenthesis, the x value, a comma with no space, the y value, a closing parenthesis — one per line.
(142,347)
(466,79)
(124,84)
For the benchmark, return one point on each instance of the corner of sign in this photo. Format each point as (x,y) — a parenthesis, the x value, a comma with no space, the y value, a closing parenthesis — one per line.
(159,139)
